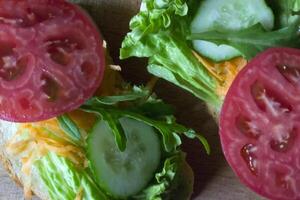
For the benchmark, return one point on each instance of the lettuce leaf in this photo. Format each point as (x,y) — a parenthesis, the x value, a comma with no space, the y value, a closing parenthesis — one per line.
(158,32)
(64,181)
(70,128)
(175,176)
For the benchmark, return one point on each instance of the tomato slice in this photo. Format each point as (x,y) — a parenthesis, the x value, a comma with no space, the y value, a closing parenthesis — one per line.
(51,59)
(260,124)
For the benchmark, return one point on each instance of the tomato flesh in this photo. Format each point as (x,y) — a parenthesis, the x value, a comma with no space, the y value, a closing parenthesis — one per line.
(260,124)
(51,59)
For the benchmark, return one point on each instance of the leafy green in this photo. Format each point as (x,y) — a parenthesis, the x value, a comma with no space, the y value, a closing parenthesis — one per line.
(69,127)
(116,127)
(173,175)
(155,109)
(151,111)
(145,104)
(255,39)
(158,15)
(158,32)
(184,83)
(54,169)
(168,129)
(159,115)
(64,181)
(163,180)
(136,93)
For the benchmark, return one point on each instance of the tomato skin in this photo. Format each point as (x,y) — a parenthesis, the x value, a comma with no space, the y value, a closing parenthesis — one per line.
(260,127)
(52,61)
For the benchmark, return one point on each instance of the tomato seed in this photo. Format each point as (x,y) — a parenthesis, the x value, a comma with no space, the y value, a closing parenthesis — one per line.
(87,68)
(291,74)
(9,70)
(250,158)
(269,101)
(284,143)
(247,128)
(50,88)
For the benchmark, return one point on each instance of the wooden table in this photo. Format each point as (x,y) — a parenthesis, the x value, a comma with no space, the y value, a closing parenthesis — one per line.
(213,177)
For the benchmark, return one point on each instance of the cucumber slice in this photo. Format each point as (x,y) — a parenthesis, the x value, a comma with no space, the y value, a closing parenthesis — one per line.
(215,52)
(122,174)
(228,15)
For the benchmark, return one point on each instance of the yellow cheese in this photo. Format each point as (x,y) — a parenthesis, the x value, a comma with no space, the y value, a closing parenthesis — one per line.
(224,72)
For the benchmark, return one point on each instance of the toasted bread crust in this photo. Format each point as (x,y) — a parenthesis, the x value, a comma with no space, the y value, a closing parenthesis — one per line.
(9,169)
(7,165)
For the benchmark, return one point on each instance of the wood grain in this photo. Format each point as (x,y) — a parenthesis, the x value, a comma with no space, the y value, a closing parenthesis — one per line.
(214,179)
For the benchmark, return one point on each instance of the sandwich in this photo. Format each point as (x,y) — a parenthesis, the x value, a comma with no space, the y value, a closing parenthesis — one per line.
(242,59)
(71,127)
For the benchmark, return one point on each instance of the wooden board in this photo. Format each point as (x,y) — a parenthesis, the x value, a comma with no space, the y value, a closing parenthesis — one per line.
(214,179)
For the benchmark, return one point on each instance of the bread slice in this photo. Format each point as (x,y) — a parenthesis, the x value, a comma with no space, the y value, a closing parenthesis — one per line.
(13,164)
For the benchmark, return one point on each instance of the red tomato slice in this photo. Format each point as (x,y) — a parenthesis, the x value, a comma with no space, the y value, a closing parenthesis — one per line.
(51,59)
(260,124)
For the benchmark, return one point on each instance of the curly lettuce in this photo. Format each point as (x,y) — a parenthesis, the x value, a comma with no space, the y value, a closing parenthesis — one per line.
(65,181)
(158,31)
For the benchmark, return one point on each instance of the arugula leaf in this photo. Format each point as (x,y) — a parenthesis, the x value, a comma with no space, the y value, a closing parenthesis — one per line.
(64,181)
(192,135)
(116,127)
(154,109)
(135,94)
(253,40)
(69,127)
(144,104)
(169,131)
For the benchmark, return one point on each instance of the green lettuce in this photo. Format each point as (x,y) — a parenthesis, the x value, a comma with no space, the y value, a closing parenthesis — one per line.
(64,181)
(174,181)
(158,31)
(70,128)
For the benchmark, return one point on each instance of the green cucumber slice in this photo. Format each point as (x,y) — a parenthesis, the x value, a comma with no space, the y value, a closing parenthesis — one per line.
(228,15)
(122,174)
(215,52)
